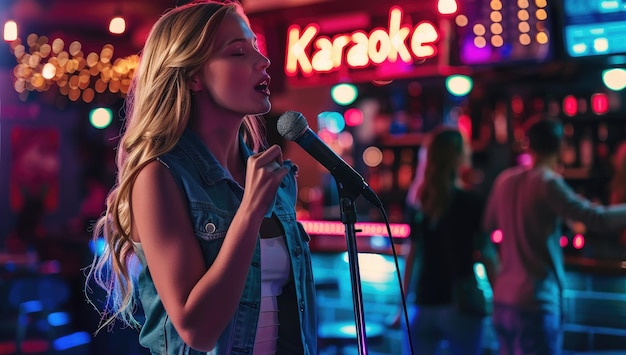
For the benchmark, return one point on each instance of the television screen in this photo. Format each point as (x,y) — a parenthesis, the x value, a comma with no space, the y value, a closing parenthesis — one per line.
(504,32)
(594,27)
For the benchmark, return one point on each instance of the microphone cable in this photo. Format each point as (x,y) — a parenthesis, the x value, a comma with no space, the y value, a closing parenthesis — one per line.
(402,294)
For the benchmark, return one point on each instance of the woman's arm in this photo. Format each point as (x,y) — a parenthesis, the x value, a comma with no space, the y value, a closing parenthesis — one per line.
(200,302)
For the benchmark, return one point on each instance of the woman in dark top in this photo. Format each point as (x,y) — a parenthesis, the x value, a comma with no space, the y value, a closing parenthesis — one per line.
(446,240)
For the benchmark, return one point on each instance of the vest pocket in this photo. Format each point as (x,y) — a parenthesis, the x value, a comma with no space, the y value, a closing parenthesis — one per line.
(210,223)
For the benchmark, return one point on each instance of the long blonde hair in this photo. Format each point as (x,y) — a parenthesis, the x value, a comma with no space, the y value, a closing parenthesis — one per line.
(444,155)
(160,107)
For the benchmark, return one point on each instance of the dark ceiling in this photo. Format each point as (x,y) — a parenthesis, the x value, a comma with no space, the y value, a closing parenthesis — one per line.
(86,21)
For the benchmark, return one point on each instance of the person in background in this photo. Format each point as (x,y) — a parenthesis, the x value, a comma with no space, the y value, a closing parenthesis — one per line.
(201,224)
(617,192)
(529,205)
(447,240)
(617,186)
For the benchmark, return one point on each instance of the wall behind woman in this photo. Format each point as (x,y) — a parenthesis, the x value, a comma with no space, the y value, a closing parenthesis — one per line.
(41,157)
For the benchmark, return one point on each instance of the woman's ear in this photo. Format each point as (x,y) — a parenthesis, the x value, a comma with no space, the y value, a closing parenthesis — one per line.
(195,84)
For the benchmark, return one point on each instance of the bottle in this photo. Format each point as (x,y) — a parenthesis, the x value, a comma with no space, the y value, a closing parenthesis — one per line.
(585,148)
(405,170)
(568,152)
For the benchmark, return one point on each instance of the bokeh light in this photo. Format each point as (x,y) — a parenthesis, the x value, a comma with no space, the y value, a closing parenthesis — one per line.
(459,85)
(332,121)
(100,117)
(344,94)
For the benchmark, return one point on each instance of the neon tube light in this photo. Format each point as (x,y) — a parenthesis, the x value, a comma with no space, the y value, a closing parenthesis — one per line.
(359,49)
(369,229)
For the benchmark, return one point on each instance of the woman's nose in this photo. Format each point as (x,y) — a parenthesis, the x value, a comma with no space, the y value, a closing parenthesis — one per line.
(264,62)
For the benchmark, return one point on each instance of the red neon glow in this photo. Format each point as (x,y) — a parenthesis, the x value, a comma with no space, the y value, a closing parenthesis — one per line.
(496,236)
(600,103)
(517,105)
(465,127)
(359,48)
(563,241)
(353,117)
(369,229)
(579,241)
(570,105)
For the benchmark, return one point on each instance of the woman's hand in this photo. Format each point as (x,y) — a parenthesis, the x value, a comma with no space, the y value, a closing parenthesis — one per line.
(264,172)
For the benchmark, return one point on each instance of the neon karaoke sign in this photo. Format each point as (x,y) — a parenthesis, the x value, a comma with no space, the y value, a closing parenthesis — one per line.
(359,49)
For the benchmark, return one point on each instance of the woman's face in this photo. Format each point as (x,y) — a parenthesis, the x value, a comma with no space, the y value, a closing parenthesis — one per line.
(235,77)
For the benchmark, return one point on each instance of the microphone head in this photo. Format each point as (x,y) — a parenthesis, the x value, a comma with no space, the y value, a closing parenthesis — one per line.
(291,125)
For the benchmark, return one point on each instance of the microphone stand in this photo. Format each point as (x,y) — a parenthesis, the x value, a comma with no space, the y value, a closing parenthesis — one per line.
(348,218)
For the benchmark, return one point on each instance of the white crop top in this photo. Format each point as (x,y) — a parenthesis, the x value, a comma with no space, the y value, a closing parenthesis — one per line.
(275,271)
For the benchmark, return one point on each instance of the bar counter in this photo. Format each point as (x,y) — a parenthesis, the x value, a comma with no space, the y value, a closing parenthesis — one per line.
(595,304)
(604,267)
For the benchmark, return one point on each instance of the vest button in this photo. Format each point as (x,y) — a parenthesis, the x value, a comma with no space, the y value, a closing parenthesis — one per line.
(210,228)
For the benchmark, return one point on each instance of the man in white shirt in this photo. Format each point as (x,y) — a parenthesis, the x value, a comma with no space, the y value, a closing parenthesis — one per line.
(528,204)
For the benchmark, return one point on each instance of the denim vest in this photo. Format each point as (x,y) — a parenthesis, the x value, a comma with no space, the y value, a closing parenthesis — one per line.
(213,197)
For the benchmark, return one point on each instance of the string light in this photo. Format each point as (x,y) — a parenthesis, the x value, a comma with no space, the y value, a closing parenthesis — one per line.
(10,31)
(117,25)
(41,65)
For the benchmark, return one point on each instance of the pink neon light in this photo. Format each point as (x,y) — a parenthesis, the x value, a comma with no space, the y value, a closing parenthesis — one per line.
(600,103)
(465,126)
(579,241)
(570,105)
(496,236)
(369,229)
(353,117)
(397,43)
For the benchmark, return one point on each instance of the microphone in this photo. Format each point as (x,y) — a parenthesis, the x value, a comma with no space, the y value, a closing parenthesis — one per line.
(293,126)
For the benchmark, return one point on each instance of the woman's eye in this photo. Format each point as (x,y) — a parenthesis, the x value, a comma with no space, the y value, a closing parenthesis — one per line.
(239,52)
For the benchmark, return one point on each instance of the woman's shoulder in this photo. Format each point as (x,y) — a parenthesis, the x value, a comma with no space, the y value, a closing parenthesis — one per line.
(154,172)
